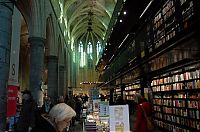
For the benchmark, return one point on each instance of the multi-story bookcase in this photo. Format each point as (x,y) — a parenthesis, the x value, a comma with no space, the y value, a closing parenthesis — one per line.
(132,89)
(176,101)
(172,19)
(117,91)
(176,71)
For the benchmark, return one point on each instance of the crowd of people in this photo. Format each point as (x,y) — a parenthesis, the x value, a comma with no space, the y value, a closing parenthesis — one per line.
(67,111)
(50,117)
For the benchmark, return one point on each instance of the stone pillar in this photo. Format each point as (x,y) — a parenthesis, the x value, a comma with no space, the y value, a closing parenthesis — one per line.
(36,65)
(61,80)
(53,78)
(6,11)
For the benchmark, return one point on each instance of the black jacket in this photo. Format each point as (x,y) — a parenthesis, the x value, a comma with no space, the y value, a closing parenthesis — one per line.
(43,125)
(27,115)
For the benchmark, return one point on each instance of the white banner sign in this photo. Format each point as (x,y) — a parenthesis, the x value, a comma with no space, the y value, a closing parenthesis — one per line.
(15,48)
(119,118)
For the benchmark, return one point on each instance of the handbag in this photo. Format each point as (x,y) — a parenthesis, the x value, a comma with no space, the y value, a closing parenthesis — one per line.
(150,125)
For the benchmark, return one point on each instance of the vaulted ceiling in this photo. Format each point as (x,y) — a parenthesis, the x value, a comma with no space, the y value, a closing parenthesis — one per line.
(87,18)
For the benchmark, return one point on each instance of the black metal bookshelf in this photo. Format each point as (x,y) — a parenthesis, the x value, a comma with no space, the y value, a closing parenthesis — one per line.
(176,83)
(181,103)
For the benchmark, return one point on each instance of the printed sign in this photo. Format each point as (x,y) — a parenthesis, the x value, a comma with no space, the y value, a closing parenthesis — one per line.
(119,118)
(12,101)
(15,47)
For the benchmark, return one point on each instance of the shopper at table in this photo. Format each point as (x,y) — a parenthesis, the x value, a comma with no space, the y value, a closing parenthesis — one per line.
(57,120)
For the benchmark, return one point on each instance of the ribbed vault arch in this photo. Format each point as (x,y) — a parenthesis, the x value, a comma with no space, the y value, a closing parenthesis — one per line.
(81,15)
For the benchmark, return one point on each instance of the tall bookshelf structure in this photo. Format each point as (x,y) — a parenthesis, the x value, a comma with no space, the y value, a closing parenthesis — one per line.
(175,73)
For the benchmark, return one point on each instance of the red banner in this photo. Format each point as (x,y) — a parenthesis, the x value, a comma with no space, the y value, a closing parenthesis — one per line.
(12,100)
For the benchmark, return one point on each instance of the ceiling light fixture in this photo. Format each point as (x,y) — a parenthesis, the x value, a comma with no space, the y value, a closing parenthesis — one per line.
(111,57)
(123,41)
(146,8)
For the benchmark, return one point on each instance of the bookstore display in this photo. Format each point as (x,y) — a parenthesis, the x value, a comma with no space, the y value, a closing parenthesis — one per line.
(132,89)
(117,91)
(96,123)
(176,72)
(176,101)
(129,91)
(171,19)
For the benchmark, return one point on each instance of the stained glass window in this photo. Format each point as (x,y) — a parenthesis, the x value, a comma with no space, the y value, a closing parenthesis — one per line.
(98,49)
(81,55)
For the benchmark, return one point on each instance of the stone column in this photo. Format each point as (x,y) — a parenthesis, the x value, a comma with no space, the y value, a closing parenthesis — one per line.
(66,78)
(61,80)
(6,11)
(53,78)
(36,64)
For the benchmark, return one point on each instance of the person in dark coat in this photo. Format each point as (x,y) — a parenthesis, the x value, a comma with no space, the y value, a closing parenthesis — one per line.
(72,103)
(46,107)
(28,112)
(44,125)
(78,107)
(57,120)
(141,123)
(119,101)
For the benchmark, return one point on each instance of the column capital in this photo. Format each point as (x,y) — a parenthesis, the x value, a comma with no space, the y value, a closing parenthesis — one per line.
(37,41)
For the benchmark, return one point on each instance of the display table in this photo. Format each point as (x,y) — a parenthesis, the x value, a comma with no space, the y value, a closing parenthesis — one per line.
(94,123)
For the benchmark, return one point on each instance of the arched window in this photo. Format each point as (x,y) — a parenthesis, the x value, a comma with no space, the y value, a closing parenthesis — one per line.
(89,54)
(98,49)
(81,55)
(89,48)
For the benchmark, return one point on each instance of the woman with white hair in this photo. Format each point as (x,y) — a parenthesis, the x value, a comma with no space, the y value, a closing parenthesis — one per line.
(57,120)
